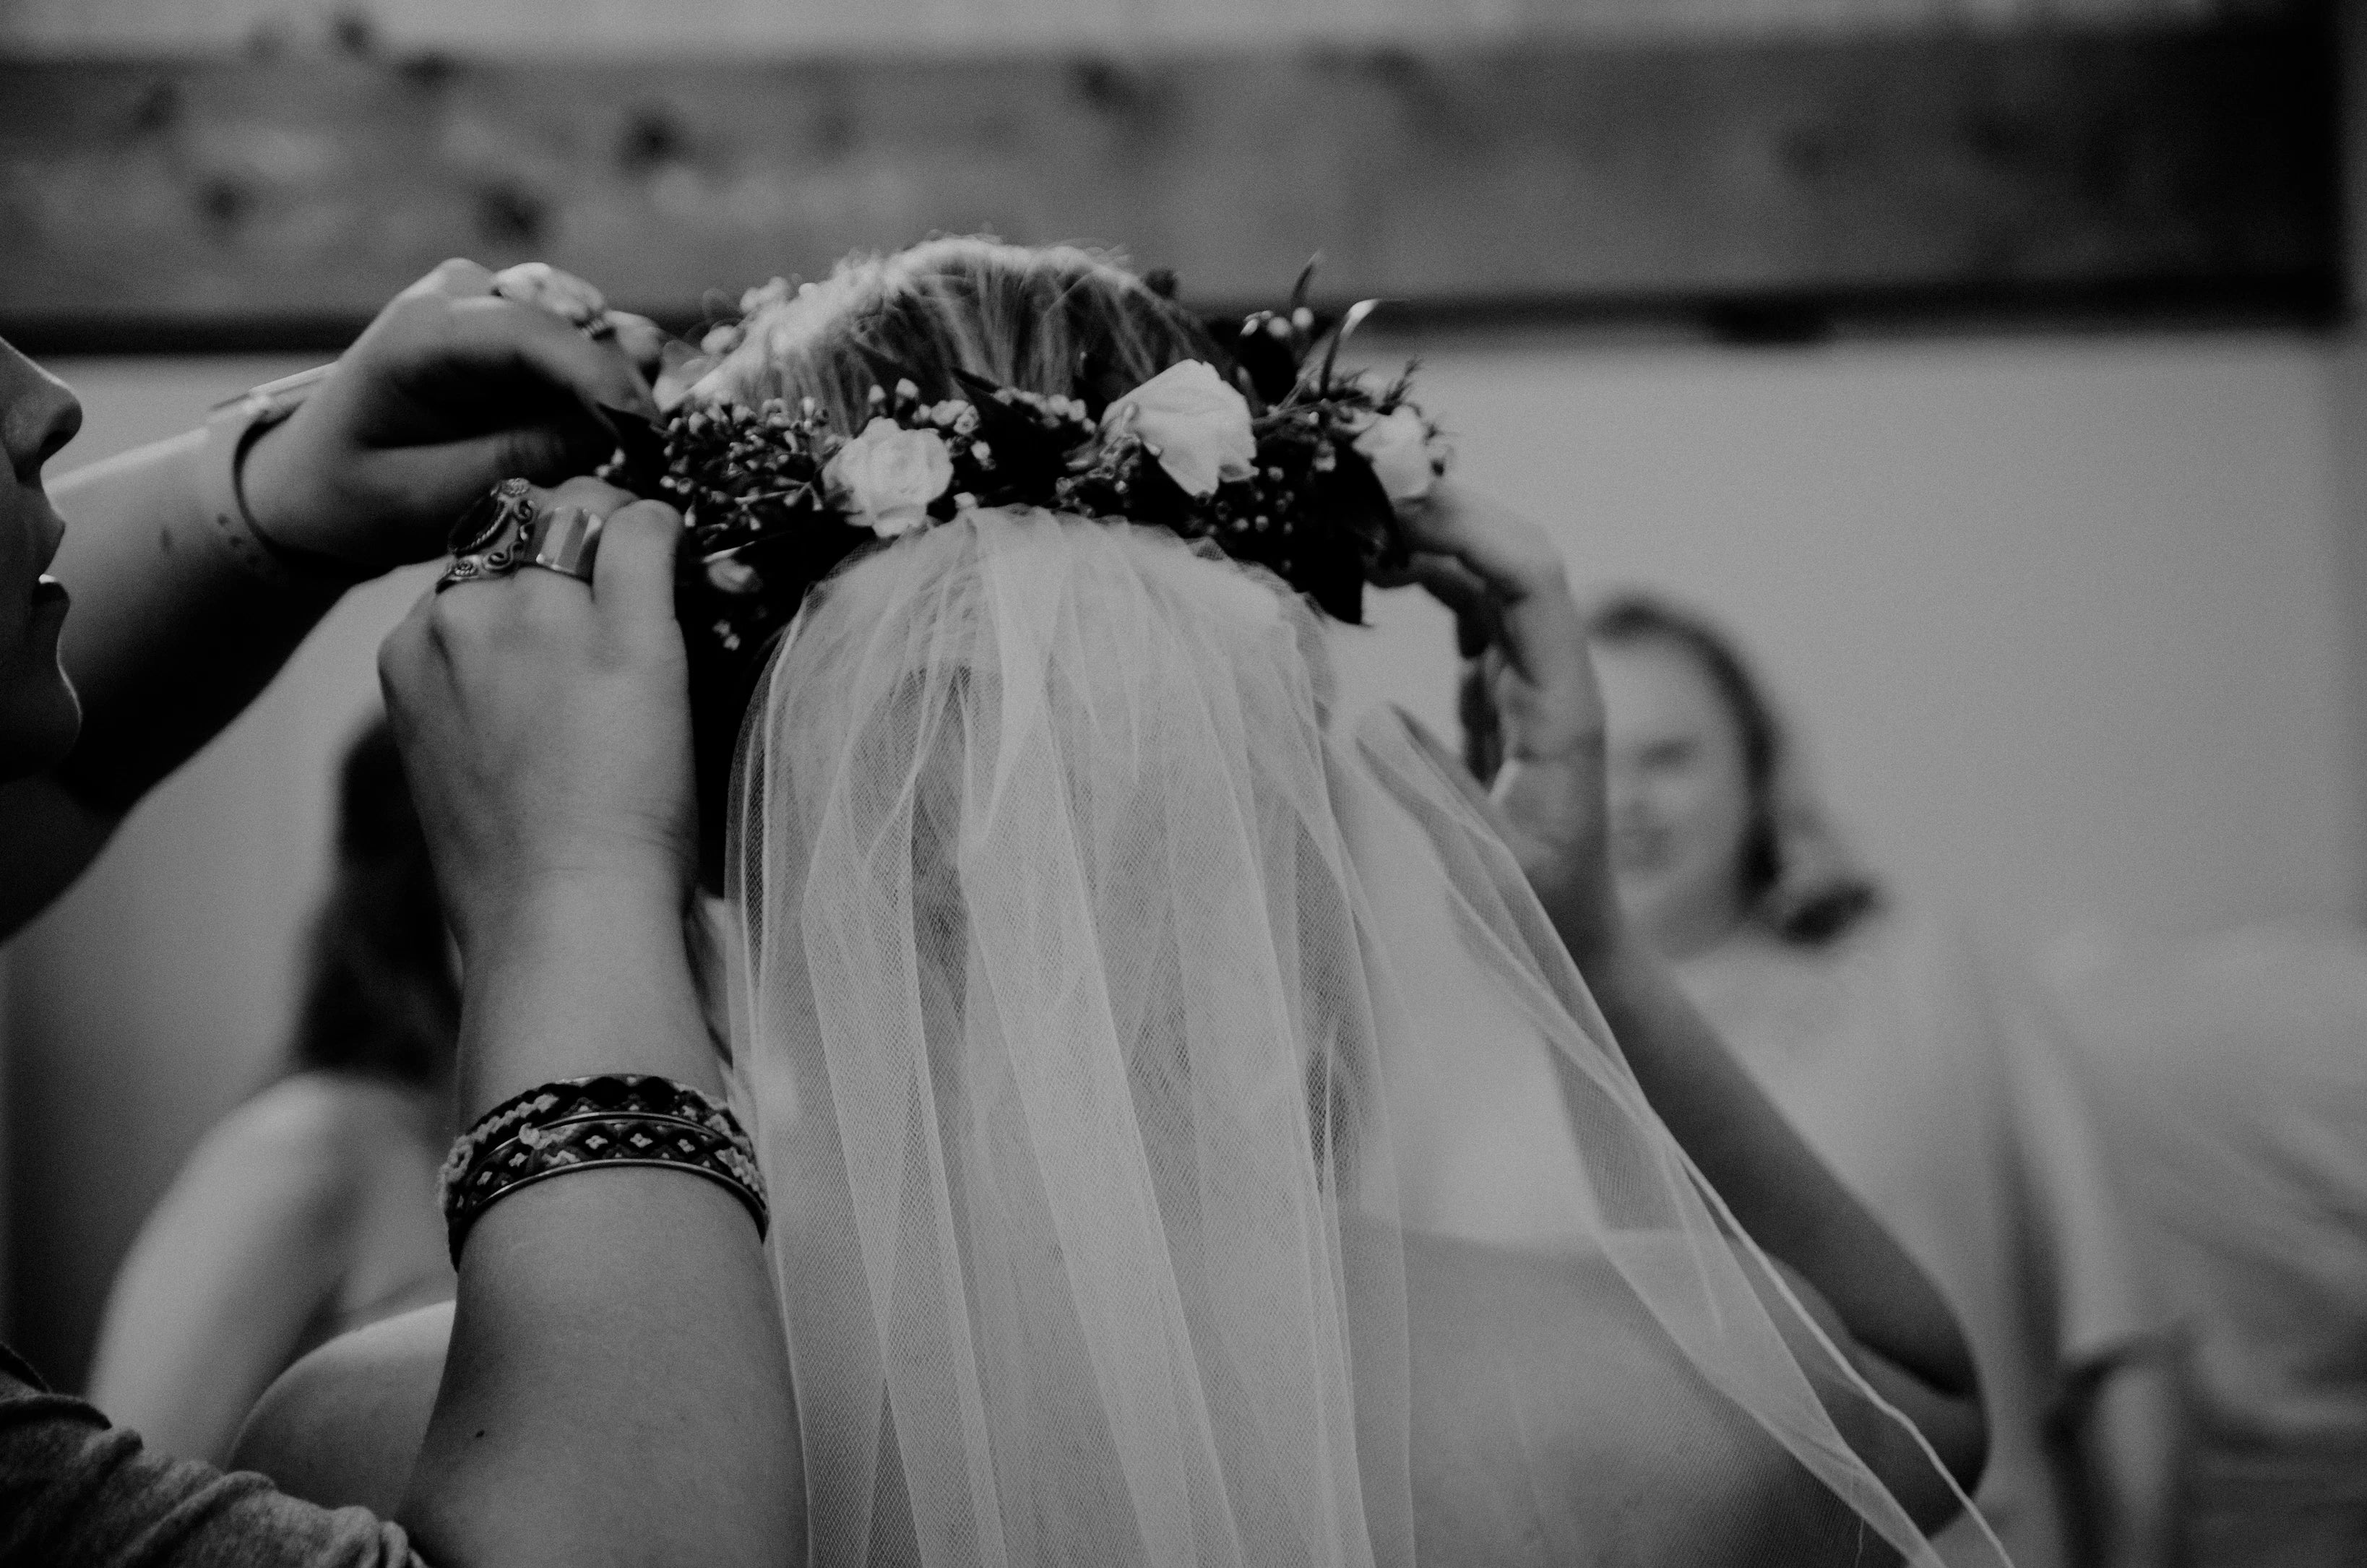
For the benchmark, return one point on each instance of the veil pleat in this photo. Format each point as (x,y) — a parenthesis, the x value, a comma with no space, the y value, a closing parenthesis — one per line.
(1126,1041)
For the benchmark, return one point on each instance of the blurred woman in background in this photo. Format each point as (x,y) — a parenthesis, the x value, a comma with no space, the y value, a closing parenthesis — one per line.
(310,1210)
(2231,1087)
(1881,1041)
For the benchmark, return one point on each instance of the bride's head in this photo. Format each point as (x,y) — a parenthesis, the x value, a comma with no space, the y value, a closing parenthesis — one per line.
(950,322)
(1034,318)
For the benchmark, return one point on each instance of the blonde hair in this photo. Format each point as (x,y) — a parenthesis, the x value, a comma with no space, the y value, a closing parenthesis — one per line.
(1040,318)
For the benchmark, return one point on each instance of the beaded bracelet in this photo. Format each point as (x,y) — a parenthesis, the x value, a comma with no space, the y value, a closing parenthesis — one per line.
(616,1118)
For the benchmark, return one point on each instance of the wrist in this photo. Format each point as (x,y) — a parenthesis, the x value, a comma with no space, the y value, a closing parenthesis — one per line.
(288,515)
(264,482)
(552,912)
(580,974)
(244,487)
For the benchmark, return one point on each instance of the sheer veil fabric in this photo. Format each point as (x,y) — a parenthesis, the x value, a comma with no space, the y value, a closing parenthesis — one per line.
(1189,1143)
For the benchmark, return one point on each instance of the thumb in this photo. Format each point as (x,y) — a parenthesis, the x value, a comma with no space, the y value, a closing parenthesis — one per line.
(442,482)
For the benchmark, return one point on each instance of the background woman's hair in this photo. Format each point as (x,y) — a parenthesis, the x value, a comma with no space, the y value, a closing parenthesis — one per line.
(1034,317)
(1795,881)
(379,996)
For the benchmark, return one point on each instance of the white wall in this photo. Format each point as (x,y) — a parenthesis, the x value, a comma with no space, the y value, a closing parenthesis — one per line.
(2059,616)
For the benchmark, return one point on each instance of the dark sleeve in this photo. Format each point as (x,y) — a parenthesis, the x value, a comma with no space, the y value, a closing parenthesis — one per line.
(75,1493)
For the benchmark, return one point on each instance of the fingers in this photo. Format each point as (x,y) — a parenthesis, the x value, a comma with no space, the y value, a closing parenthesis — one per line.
(632,562)
(632,576)
(459,278)
(1503,579)
(1503,548)
(504,334)
(595,497)
(641,340)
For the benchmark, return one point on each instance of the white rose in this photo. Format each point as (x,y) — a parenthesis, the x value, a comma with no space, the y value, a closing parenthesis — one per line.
(1196,426)
(889,476)
(1397,446)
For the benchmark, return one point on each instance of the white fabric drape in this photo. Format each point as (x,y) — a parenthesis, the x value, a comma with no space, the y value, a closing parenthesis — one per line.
(1189,1143)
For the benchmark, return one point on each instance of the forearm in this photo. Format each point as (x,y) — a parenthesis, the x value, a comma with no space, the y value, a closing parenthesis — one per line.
(617,1386)
(2126,1445)
(171,636)
(1782,1194)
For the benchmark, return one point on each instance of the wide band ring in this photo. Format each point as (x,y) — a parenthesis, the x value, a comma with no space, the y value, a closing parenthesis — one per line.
(564,540)
(488,539)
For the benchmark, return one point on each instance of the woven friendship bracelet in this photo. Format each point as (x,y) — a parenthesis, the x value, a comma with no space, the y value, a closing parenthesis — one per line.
(638,1093)
(584,1123)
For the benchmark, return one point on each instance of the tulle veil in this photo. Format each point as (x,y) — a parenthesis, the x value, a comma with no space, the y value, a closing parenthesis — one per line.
(1131,1041)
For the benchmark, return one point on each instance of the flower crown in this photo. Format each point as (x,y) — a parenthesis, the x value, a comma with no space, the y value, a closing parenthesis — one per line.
(1291,465)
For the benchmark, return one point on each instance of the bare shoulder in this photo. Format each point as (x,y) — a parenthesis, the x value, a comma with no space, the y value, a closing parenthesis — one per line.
(321,1111)
(344,1425)
(327,1129)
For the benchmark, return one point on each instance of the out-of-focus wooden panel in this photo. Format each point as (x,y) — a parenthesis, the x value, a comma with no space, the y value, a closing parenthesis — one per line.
(240,203)
(634,29)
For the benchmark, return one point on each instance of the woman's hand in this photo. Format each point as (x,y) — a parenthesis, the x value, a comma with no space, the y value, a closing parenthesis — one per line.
(1526,642)
(451,391)
(546,728)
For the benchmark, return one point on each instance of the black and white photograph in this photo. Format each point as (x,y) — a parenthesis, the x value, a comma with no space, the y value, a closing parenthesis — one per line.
(1184,783)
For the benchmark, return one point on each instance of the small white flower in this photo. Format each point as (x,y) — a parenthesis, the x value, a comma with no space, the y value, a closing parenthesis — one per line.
(1196,426)
(730,576)
(887,476)
(1397,446)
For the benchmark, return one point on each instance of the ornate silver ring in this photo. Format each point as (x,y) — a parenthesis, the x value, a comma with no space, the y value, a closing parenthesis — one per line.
(488,540)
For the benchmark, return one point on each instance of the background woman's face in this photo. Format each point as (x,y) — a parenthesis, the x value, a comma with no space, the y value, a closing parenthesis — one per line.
(39,717)
(1679,793)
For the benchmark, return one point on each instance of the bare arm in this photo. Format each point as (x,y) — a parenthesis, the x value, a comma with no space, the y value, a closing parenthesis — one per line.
(2122,1421)
(617,1388)
(1507,586)
(168,640)
(1887,1315)
(449,390)
(212,1302)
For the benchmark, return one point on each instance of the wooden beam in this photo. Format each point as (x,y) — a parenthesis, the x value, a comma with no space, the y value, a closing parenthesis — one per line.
(246,204)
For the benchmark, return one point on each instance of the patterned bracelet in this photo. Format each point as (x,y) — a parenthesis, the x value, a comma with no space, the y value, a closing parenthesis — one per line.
(617,1118)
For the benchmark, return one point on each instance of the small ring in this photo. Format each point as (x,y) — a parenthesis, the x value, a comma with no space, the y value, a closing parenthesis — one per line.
(564,540)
